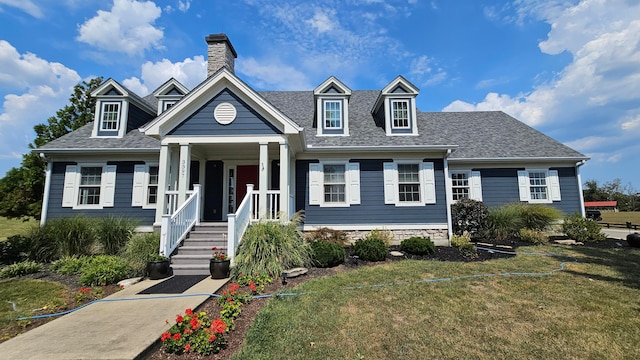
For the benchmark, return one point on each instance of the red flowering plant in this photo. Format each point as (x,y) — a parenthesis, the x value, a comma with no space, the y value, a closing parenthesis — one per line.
(218,255)
(255,282)
(195,333)
(231,301)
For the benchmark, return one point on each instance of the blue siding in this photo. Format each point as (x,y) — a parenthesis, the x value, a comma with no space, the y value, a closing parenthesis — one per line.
(247,122)
(500,186)
(372,209)
(122,200)
(378,117)
(174,91)
(137,117)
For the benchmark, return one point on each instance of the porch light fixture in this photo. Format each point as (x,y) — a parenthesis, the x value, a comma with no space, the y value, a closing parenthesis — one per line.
(225,113)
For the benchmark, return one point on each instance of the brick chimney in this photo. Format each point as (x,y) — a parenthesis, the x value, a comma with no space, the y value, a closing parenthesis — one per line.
(220,53)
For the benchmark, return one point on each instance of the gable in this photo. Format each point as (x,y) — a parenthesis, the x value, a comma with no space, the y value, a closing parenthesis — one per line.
(247,121)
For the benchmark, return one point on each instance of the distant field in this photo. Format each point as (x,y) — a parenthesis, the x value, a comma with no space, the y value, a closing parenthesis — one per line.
(10,227)
(621,217)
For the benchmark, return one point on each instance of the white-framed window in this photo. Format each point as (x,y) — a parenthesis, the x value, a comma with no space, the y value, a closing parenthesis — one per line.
(89,186)
(539,186)
(145,185)
(332,114)
(167,104)
(466,184)
(110,120)
(400,114)
(409,183)
(334,183)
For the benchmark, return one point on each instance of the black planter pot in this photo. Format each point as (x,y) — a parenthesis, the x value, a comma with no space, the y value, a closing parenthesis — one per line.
(634,240)
(158,269)
(219,269)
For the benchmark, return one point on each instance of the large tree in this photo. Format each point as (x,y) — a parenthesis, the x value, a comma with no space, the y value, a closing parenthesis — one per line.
(22,188)
(627,196)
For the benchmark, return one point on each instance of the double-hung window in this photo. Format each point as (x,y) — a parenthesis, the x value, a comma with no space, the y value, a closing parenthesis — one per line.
(145,185)
(400,114)
(110,116)
(89,186)
(332,115)
(539,186)
(409,183)
(460,185)
(334,184)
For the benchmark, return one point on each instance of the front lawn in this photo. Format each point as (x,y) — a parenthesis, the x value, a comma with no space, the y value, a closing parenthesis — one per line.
(588,311)
(9,227)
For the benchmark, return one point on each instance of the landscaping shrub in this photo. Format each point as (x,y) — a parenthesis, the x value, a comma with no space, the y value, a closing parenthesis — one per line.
(72,236)
(140,249)
(418,245)
(43,246)
(15,248)
(470,216)
(195,332)
(463,243)
(385,235)
(269,247)
(581,229)
(533,236)
(327,235)
(536,216)
(69,264)
(104,270)
(327,254)
(370,249)
(503,223)
(19,269)
(113,233)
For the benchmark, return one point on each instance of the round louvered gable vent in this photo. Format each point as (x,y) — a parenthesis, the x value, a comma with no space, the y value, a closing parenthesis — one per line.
(225,113)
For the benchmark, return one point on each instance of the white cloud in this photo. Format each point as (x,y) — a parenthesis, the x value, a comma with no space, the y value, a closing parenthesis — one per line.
(25,5)
(184,5)
(271,75)
(33,90)
(322,22)
(189,73)
(424,71)
(127,28)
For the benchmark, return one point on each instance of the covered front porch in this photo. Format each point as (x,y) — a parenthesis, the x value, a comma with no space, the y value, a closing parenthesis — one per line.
(236,180)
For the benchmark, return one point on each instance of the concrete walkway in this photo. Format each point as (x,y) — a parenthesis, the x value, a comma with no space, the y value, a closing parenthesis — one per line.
(618,233)
(108,330)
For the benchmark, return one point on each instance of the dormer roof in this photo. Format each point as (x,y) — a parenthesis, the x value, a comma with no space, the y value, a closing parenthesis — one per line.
(332,86)
(171,87)
(397,86)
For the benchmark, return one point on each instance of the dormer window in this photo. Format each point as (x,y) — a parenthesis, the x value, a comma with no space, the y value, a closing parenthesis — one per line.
(168,104)
(395,109)
(110,116)
(332,114)
(400,114)
(332,108)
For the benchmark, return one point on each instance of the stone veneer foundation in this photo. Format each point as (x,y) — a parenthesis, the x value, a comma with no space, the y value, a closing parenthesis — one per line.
(439,237)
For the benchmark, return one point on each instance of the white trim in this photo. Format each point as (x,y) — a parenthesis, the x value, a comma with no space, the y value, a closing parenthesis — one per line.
(71,192)
(351,183)
(426,177)
(448,198)
(332,80)
(579,178)
(47,191)
(140,190)
(324,112)
(552,184)
(361,227)
(175,140)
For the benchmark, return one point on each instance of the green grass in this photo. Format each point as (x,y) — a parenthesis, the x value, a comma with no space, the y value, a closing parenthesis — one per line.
(10,227)
(588,311)
(621,217)
(27,295)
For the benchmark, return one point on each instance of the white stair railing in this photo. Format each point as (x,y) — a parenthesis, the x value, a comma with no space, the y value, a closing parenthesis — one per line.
(177,225)
(171,201)
(237,223)
(273,206)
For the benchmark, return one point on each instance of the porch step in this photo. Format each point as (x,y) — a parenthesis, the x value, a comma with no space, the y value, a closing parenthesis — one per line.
(192,257)
(205,242)
(190,269)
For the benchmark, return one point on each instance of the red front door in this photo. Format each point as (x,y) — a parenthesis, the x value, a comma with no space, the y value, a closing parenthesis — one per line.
(247,174)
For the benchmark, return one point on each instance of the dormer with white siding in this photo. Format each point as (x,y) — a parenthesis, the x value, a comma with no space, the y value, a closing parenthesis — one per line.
(332,108)
(395,108)
(118,110)
(168,94)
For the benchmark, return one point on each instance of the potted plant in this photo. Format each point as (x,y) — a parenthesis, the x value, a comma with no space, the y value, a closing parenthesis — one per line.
(219,264)
(158,267)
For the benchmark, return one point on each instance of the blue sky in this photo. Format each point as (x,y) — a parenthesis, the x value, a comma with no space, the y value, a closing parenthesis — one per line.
(569,68)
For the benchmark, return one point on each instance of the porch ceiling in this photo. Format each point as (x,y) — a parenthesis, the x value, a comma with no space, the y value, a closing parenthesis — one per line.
(233,151)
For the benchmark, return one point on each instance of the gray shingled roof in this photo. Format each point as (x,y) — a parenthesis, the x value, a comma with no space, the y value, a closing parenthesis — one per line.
(480,135)
(81,139)
(477,135)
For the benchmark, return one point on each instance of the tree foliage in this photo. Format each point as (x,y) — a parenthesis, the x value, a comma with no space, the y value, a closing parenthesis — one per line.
(627,196)
(22,188)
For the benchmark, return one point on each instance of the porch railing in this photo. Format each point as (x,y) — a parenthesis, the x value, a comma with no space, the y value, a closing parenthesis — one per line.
(171,203)
(273,206)
(238,222)
(176,226)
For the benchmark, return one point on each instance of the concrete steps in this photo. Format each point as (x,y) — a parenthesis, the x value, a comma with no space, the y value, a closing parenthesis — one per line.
(192,257)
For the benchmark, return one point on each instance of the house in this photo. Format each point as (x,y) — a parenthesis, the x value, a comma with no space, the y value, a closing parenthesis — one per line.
(354,160)
(601,205)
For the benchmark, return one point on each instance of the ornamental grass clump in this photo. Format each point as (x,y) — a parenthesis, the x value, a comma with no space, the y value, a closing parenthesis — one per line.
(195,332)
(141,248)
(113,232)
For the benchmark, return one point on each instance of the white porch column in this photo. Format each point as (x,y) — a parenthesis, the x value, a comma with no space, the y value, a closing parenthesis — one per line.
(174,161)
(263,179)
(164,164)
(184,171)
(284,181)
